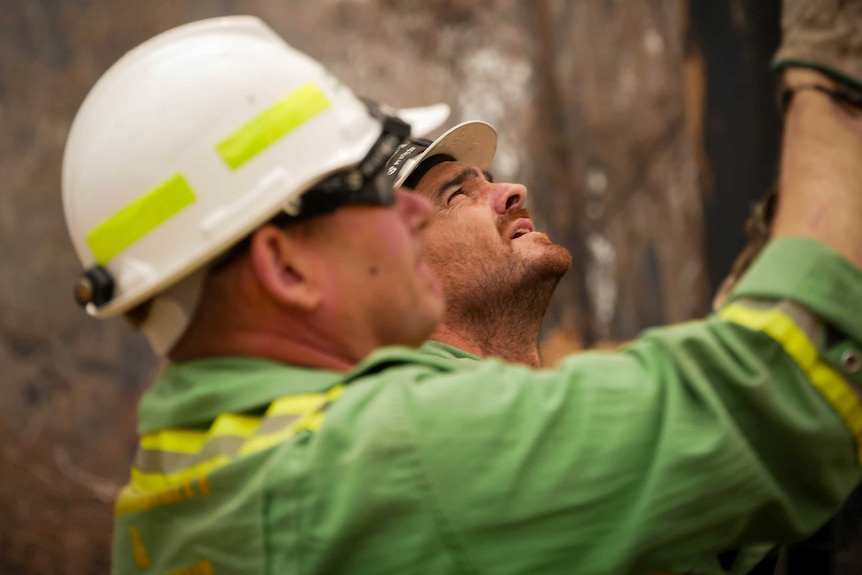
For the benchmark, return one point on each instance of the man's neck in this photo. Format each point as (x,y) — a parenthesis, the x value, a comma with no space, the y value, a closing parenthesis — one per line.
(514,342)
(500,319)
(263,346)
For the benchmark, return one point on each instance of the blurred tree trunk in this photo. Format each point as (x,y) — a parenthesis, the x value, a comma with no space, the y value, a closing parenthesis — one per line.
(741,133)
(615,167)
(555,171)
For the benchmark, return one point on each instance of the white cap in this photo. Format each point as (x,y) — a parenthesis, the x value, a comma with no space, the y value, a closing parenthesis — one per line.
(473,143)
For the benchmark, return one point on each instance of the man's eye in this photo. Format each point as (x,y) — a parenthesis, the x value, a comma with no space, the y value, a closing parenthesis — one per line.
(453,195)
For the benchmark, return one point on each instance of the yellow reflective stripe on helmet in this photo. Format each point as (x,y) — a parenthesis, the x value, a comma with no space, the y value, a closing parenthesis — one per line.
(834,388)
(272,124)
(139,218)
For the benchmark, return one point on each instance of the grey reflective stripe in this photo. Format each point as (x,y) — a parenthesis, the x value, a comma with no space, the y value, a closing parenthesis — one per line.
(275,423)
(809,323)
(168,462)
(169,456)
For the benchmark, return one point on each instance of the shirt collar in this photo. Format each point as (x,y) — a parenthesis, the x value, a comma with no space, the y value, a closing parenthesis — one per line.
(446,351)
(195,392)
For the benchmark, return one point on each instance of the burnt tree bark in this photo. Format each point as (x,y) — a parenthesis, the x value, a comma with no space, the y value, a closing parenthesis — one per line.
(616,168)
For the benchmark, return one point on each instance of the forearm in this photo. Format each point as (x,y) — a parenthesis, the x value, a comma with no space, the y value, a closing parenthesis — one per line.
(821,169)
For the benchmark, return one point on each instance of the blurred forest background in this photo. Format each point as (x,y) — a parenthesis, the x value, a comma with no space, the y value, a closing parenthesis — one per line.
(645,130)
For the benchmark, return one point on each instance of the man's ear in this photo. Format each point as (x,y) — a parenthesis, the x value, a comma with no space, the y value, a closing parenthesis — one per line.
(284,267)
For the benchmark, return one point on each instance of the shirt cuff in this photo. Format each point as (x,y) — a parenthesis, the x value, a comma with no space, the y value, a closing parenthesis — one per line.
(805,271)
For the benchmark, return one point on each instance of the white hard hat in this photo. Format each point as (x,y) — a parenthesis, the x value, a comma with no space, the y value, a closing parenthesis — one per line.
(473,143)
(191,141)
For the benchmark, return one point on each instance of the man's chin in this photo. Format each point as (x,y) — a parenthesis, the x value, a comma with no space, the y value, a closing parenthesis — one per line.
(547,257)
(558,260)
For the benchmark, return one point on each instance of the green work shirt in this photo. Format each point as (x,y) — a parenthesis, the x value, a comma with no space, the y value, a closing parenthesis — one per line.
(739,430)
(446,351)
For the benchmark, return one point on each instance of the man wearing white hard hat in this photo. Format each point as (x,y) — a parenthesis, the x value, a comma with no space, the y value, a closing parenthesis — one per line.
(277,441)
(498,271)
(228,195)
(164,167)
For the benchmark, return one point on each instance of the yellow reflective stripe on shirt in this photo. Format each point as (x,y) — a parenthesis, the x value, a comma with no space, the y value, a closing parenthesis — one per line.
(189,441)
(175,440)
(296,404)
(313,408)
(164,470)
(272,124)
(261,442)
(144,483)
(172,450)
(139,218)
(234,425)
(834,388)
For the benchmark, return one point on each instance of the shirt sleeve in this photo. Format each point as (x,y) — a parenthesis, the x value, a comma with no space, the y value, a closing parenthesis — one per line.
(741,429)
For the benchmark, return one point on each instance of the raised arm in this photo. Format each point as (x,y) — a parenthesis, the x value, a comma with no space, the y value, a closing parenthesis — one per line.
(821,171)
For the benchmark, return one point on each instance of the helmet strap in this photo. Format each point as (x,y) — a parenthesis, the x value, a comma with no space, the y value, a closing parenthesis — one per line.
(171,312)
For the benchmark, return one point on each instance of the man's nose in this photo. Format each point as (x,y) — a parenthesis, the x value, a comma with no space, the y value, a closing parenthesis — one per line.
(413,208)
(508,197)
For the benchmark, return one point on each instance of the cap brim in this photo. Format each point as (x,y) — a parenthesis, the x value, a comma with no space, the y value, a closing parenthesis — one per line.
(425,119)
(473,143)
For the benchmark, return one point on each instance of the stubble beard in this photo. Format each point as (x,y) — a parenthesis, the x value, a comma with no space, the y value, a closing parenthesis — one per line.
(502,306)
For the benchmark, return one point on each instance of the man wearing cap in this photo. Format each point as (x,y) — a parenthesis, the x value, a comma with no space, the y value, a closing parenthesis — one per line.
(498,272)
(272,442)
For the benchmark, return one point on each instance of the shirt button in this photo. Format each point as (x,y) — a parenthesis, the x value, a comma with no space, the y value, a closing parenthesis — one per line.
(851,361)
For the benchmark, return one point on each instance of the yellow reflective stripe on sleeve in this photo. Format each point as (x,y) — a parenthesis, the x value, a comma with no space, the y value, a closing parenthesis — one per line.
(139,218)
(272,124)
(834,388)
